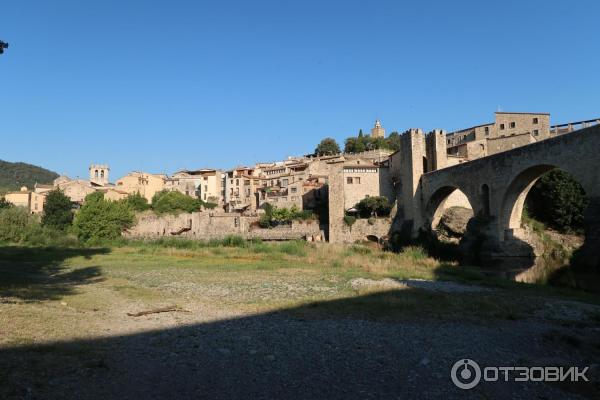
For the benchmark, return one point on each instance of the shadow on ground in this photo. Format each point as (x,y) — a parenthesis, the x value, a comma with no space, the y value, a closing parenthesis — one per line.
(343,349)
(33,273)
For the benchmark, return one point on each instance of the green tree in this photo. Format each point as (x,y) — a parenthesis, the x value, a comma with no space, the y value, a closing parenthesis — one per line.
(327,146)
(558,201)
(350,145)
(57,210)
(137,202)
(174,202)
(102,219)
(393,141)
(375,205)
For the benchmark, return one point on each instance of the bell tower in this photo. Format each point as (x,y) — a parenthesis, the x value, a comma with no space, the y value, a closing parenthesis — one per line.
(377,131)
(99,174)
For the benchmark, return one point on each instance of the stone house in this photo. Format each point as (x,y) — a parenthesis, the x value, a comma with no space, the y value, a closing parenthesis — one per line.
(509,130)
(114,194)
(28,199)
(240,186)
(144,183)
(186,182)
(210,188)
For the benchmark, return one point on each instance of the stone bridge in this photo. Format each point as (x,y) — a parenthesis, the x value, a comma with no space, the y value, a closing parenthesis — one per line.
(497,185)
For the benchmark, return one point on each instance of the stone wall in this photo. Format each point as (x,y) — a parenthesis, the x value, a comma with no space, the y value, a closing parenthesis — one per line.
(499,144)
(362,229)
(207,225)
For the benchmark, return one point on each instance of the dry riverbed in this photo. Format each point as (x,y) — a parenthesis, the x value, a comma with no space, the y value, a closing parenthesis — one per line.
(276,321)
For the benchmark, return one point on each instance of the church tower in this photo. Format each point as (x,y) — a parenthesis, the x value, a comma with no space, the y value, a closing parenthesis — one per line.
(377,131)
(99,174)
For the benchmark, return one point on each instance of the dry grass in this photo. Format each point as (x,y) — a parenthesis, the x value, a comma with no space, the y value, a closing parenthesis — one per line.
(61,294)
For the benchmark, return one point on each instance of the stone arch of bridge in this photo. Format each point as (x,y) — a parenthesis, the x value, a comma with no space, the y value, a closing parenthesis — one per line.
(436,204)
(513,200)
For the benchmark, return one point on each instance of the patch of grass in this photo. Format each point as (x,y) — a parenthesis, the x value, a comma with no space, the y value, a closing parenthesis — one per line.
(293,248)
(415,253)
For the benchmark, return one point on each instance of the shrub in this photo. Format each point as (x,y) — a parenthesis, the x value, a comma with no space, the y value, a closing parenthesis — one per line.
(57,211)
(208,205)
(102,219)
(277,216)
(374,206)
(264,221)
(349,220)
(174,202)
(17,225)
(137,202)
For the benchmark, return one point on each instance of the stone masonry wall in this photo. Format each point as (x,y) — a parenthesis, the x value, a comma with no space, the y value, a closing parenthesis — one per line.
(361,229)
(213,225)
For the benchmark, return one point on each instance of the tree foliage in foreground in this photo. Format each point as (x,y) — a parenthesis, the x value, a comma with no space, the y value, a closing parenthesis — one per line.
(102,219)
(57,211)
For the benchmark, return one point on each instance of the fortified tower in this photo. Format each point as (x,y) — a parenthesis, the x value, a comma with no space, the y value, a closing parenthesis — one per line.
(436,150)
(99,174)
(377,131)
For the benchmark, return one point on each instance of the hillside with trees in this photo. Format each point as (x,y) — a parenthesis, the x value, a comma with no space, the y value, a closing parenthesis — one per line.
(15,175)
(360,143)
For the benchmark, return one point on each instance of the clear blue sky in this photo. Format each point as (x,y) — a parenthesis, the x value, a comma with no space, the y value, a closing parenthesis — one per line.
(165,85)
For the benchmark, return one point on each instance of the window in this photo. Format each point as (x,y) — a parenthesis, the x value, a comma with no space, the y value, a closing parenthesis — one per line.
(96,174)
(487,130)
(501,127)
(285,182)
(102,174)
(349,180)
(357,180)
(294,198)
(204,196)
(535,121)
(294,190)
(206,188)
(513,124)
(237,182)
(536,132)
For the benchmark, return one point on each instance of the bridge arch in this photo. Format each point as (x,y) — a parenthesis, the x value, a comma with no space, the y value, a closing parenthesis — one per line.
(513,201)
(438,202)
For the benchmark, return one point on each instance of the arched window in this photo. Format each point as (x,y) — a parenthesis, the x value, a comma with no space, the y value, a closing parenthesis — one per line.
(102,174)
(96,174)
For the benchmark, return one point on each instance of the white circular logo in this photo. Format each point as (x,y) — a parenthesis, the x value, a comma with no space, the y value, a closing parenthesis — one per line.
(465,374)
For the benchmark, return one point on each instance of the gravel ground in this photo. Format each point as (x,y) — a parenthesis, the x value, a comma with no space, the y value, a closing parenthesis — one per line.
(279,355)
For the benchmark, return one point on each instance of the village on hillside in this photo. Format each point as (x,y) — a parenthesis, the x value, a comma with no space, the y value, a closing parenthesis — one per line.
(301,182)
